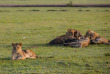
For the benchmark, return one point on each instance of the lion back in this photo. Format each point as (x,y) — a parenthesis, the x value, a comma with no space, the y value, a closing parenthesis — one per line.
(30,53)
(58,41)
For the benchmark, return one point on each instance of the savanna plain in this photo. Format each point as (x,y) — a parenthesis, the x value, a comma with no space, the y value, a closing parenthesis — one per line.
(36,27)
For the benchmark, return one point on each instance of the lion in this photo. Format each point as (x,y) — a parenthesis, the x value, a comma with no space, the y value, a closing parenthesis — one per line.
(19,54)
(74,34)
(58,41)
(78,35)
(95,38)
(83,42)
(70,34)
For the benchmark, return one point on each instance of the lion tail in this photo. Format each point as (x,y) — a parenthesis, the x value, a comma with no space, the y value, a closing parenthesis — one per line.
(109,42)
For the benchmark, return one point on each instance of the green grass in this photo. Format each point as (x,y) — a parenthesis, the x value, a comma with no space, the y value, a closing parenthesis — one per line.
(40,27)
(54,1)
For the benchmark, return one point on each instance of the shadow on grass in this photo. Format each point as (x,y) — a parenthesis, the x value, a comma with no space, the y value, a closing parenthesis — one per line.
(4,58)
(41,45)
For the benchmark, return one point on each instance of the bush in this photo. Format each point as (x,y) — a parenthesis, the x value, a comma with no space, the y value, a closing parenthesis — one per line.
(107,54)
(70,4)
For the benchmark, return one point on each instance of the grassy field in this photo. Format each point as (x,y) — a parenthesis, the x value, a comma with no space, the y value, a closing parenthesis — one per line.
(54,1)
(36,28)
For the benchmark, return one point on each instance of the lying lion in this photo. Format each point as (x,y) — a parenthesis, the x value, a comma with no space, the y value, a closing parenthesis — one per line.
(70,34)
(95,38)
(19,54)
(83,42)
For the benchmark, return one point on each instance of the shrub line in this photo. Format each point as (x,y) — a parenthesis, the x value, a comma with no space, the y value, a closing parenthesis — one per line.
(74,5)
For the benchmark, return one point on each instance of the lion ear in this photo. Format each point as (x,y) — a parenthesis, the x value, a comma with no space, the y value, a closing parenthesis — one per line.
(20,44)
(68,29)
(12,44)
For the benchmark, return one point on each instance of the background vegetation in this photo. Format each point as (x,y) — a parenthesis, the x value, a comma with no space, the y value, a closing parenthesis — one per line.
(54,1)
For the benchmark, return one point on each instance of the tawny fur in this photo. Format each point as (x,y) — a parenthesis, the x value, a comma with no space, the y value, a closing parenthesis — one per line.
(84,42)
(19,54)
(78,35)
(70,34)
(79,43)
(95,38)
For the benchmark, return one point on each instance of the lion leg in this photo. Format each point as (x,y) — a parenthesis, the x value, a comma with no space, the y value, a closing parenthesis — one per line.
(13,57)
(20,58)
(32,57)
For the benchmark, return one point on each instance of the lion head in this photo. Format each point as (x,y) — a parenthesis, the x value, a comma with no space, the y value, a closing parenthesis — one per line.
(74,33)
(77,34)
(16,47)
(70,32)
(93,35)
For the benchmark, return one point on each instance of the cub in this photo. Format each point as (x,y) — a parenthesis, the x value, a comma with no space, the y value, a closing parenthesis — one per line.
(78,35)
(61,39)
(70,35)
(84,42)
(95,38)
(19,54)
